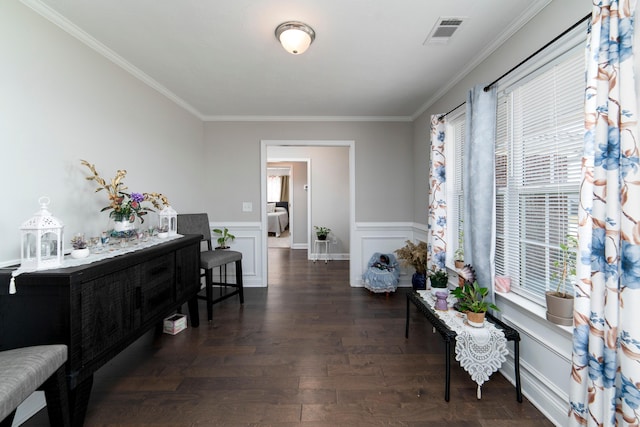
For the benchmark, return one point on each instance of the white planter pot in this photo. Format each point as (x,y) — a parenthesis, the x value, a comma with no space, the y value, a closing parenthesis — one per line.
(80,253)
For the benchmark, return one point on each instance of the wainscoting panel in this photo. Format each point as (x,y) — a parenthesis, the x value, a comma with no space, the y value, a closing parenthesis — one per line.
(249,241)
(384,237)
(545,356)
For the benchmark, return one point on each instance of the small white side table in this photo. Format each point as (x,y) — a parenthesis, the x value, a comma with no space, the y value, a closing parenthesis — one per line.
(316,244)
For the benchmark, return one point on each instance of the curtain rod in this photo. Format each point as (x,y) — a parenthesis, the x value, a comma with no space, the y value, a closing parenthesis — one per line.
(488,87)
(453,109)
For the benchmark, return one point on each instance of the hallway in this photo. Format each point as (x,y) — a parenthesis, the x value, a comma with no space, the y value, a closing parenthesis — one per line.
(307,351)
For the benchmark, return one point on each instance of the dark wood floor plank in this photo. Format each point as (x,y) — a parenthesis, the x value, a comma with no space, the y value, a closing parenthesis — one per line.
(307,351)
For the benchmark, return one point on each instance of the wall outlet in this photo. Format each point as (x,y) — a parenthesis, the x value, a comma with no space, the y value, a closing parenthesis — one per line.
(334,241)
(247,207)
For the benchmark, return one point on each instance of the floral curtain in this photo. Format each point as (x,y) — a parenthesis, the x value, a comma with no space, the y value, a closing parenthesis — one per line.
(437,220)
(479,183)
(606,338)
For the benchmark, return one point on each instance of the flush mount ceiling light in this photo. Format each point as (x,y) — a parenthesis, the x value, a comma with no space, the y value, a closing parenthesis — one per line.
(295,37)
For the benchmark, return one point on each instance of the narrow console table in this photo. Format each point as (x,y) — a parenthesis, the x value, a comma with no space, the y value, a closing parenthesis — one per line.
(449,337)
(99,309)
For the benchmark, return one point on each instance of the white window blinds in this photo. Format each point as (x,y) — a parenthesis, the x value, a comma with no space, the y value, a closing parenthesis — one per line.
(538,155)
(458,194)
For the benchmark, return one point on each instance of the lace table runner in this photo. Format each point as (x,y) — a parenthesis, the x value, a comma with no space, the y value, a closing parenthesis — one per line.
(98,254)
(480,351)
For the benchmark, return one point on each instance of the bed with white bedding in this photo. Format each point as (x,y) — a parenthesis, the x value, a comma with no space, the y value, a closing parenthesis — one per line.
(277,219)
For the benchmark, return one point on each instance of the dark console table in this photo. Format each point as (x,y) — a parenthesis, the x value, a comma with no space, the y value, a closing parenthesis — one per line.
(99,309)
(449,336)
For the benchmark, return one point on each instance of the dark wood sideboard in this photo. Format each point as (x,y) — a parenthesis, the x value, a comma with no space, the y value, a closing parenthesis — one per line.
(99,309)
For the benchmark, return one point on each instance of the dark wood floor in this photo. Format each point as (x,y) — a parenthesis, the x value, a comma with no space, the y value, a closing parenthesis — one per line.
(310,351)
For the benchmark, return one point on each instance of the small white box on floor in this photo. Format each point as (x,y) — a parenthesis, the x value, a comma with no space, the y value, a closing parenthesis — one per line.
(174,324)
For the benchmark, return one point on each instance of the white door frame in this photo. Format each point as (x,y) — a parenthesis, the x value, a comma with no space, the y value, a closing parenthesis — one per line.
(263,190)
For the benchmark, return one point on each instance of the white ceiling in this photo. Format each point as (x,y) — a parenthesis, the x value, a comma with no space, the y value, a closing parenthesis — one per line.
(221,60)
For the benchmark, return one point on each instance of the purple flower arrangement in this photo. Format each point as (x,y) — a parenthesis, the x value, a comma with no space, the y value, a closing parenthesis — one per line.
(125,206)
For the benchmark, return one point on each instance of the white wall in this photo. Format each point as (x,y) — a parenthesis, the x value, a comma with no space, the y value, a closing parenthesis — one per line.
(300,208)
(384,183)
(61,102)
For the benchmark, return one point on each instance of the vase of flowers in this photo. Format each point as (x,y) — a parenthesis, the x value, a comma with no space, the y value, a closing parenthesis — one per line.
(124,208)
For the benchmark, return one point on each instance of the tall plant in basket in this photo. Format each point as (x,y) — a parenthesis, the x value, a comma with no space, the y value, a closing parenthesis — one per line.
(416,256)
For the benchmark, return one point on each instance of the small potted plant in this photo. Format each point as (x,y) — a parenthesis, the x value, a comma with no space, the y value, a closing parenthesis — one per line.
(559,302)
(322,232)
(458,255)
(163,231)
(415,255)
(225,237)
(439,280)
(80,249)
(471,300)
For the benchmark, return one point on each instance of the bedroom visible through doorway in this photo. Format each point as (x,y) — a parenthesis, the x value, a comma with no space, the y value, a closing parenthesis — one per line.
(279,204)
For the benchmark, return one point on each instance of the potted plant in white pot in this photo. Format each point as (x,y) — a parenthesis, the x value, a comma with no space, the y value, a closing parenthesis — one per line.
(79,244)
(559,302)
(439,280)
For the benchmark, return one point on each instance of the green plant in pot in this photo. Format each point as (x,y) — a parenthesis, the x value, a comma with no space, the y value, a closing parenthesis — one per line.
(559,302)
(322,232)
(472,300)
(225,237)
(439,280)
(415,255)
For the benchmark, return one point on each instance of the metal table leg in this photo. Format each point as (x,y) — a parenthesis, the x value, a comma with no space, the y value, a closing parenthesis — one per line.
(516,363)
(447,363)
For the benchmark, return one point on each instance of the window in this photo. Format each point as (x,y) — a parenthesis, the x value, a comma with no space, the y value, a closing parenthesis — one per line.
(540,122)
(274,185)
(455,200)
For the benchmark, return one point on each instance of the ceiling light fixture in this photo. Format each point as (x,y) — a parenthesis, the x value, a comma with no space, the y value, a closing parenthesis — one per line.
(295,37)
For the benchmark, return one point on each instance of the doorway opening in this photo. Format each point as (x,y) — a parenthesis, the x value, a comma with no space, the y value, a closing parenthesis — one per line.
(327,198)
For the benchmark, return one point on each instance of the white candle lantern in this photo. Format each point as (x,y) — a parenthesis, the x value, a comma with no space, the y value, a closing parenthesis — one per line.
(42,243)
(168,220)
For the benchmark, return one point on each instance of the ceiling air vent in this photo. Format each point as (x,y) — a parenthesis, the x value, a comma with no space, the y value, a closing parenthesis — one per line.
(443,30)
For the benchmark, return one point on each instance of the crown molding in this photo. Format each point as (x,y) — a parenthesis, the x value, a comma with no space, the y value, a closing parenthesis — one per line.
(307,119)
